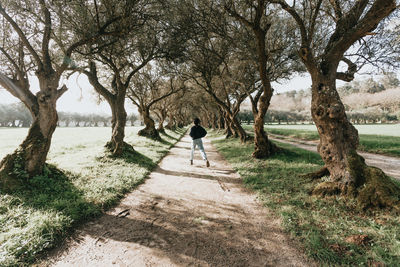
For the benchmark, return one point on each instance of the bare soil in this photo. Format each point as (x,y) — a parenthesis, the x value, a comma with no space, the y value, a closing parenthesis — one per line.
(390,165)
(184,216)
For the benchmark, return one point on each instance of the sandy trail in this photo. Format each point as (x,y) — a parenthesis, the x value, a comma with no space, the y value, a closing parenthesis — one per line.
(183,216)
(390,165)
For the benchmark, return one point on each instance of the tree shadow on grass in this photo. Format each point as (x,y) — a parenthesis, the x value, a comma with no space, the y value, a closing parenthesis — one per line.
(133,156)
(170,136)
(53,190)
(54,205)
(165,142)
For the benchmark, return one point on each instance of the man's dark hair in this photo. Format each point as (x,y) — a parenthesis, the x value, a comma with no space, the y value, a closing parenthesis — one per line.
(196,121)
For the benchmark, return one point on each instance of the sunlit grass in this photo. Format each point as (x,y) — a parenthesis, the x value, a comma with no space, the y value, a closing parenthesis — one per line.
(40,214)
(379,144)
(372,129)
(321,225)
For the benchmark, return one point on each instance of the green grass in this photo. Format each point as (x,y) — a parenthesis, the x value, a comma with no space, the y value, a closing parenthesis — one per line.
(39,215)
(321,225)
(374,129)
(379,144)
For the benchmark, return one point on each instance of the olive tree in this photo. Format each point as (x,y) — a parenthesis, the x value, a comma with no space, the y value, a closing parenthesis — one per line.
(35,42)
(327,30)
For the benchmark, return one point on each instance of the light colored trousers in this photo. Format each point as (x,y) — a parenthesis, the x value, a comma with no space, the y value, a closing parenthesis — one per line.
(198,142)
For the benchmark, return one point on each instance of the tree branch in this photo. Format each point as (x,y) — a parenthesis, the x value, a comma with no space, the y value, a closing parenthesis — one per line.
(61,91)
(46,36)
(22,36)
(347,76)
(94,81)
(346,35)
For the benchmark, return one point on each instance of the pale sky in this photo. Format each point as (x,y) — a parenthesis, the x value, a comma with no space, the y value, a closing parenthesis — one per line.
(82,98)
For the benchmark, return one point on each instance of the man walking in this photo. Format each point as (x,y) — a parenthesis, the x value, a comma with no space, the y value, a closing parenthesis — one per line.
(197,132)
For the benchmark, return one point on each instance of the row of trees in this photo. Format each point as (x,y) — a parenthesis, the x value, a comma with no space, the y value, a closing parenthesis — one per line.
(369,115)
(17,115)
(178,59)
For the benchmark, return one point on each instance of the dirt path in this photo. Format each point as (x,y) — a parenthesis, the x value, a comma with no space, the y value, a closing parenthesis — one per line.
(390,165)
(183,216)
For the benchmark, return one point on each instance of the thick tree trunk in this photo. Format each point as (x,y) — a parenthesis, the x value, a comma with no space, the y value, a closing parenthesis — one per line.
(349,175)
(241,132)
(118,123)
(221,122)
(263,148)
(160,127)
(171,122)
(30,158)
(227,126)
(150,128)
(214,121)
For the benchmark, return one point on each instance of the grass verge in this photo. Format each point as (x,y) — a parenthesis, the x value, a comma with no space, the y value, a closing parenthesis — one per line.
(332,231)
(379,144)
(39,215)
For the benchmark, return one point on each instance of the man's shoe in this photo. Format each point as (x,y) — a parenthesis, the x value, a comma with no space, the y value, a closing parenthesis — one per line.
(207,163)
(191,162)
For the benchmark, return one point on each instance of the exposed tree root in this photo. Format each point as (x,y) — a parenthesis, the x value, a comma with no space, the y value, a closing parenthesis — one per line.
(127,148)
(317,174)
(150,133)
(266,151)
(372,187)
(162,130)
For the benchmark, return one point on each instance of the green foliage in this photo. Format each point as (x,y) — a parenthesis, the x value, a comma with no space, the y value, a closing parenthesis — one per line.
(41,213)
(323,226)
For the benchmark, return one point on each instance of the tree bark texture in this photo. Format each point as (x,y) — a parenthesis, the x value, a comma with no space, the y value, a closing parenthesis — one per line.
(171,122)
(150,128)
(30,158)
(118,123)
(349,175)
(239,129)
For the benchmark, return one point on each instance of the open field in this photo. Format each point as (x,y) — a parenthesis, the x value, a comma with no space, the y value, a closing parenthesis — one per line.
(372,143)
(375,129)
(87,181)
(328,229)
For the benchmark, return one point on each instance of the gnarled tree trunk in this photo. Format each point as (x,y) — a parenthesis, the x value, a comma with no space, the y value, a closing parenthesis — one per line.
(118,122)
(228,128)
(239,129)
(263,147)
(30,158)
(160,127)
(150,128)
(171,122)
(349,175)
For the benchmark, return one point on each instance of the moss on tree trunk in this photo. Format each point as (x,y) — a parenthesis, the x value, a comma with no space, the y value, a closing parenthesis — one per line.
(349,175)
(30,158)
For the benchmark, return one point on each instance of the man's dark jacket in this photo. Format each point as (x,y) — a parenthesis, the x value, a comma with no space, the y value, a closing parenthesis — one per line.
(197,132)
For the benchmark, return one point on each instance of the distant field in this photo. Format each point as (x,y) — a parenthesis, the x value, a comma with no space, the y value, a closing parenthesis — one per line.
(378,142)
(376,129)
(63,139)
